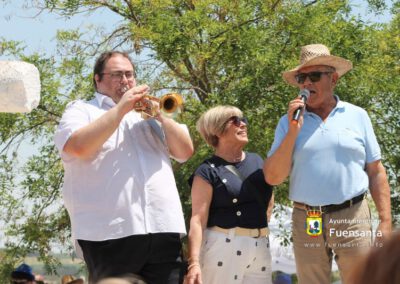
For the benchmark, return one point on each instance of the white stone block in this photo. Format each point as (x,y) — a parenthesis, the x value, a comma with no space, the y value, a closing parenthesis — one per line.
(19,86)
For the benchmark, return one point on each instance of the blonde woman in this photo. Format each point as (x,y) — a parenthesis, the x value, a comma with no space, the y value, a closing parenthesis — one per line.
(228,237)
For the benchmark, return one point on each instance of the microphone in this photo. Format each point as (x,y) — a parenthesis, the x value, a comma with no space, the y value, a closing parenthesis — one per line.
(304,94)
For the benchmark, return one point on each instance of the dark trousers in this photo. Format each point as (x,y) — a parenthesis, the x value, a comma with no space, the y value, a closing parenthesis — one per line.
(154,257)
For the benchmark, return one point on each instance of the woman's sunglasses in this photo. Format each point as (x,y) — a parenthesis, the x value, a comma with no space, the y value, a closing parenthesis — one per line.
(236,120)
(314,76)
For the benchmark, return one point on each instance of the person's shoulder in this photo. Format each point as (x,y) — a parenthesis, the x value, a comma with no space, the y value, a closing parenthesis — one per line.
(81,104)
(210,166)
(353,107)
(205,169)
(354,110)
(252,161)
(203,166)
(75,103)
(253,156)
(210,162)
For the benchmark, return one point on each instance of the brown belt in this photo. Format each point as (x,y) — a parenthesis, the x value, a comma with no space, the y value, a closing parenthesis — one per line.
(246,232)
(333,207)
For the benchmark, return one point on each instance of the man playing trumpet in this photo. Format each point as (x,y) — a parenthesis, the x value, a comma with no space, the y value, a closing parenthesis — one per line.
(119,188)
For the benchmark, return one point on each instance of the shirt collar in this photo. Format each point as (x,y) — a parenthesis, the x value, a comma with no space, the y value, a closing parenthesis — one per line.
(339,104)
(104,101)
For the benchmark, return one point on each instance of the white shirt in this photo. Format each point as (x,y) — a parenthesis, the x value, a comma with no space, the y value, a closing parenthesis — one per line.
(128,188)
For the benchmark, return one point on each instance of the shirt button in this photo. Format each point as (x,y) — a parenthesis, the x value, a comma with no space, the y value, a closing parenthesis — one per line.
(238,213)
(234,200)
(224,180)
(212,165)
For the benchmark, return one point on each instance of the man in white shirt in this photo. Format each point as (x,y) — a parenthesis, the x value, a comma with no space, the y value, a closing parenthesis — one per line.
(119,188)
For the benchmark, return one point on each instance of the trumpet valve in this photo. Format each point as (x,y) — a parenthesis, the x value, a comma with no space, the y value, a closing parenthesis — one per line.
(148,106)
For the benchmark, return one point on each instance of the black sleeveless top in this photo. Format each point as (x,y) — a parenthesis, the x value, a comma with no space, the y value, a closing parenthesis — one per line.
(235,203)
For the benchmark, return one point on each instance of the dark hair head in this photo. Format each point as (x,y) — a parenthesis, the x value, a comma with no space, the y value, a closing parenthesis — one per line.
(102,60)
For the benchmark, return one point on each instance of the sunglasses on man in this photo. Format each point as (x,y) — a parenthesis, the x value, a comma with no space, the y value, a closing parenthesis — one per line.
(313,76)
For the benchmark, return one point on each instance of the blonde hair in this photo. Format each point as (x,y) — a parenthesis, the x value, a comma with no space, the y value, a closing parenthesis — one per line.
(212,123)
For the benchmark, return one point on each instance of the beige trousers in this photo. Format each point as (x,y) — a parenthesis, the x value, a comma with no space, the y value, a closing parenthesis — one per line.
(346,235)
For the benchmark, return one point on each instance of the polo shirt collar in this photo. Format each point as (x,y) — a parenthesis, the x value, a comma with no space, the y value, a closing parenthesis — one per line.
(340,105)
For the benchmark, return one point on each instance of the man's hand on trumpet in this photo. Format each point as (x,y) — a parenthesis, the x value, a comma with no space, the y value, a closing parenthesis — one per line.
(131,97)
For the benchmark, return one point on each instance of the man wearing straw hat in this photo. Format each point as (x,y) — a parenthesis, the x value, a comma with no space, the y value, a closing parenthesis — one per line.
(332,157)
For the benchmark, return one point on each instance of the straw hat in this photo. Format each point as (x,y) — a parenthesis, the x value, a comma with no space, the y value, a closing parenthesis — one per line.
(317,54)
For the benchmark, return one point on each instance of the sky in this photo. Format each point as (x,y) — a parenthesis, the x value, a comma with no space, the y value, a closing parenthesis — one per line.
(38,32)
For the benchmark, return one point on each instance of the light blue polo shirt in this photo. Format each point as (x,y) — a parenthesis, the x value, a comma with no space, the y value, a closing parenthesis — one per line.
(329,157)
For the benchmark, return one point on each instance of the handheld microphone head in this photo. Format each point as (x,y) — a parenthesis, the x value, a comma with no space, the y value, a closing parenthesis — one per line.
(304,94)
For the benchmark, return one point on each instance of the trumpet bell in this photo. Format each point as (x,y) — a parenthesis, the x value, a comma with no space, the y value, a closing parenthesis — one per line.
(171,103)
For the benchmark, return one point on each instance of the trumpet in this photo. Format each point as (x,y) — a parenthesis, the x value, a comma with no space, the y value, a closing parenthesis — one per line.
(170,104)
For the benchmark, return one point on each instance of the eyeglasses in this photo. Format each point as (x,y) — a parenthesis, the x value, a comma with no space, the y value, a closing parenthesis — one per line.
(314,76)
(236,120)
(119,75)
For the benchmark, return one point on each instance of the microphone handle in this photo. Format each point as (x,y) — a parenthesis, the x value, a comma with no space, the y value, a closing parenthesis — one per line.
(297,113)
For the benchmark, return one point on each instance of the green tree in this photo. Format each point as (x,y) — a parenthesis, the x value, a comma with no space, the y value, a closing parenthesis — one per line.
(213,52)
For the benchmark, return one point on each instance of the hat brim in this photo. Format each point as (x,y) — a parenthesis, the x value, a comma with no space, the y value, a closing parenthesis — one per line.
(341,65)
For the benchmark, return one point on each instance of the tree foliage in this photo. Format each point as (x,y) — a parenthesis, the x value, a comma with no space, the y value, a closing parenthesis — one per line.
(213,52)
